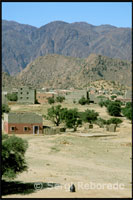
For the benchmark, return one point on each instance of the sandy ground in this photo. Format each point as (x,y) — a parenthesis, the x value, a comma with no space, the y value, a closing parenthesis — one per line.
(98,166)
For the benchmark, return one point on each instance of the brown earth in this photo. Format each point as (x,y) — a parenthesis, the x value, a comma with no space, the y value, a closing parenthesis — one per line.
(69,158)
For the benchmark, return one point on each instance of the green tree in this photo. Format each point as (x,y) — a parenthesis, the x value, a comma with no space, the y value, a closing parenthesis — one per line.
(51,100)
(5,108)
(72,119)
(13,156)
(83,100)
(101,103)
(90,116)
(12,96)
(56,114)
(104,102)
(127,111)
(113,97)
(60,99)
(100,122)
(114,109)
(114,121)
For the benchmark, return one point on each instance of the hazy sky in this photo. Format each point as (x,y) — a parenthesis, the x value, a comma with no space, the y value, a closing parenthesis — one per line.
(40,13)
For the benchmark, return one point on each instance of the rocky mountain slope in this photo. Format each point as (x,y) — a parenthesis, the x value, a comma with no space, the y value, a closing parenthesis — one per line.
(58,71)
(21,44)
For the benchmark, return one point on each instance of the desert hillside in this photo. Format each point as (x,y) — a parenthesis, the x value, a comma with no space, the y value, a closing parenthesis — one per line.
(21,43)
(57,71)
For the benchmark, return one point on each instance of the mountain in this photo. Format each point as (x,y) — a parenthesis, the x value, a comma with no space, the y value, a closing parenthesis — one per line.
(22,44)
(58,71)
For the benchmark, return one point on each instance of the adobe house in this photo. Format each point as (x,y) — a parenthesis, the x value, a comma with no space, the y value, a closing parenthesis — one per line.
(26,95)
(23,123)
(42,97)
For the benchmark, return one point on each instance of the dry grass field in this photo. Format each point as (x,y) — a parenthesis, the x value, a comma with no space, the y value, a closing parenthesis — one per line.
(71,158)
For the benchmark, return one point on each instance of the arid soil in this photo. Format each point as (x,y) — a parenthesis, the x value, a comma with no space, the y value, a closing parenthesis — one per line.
(98,166)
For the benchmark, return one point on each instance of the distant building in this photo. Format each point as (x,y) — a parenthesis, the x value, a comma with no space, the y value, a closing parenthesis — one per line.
(4,97)
(22,123)
(75,95)
(26,95)
(42,97)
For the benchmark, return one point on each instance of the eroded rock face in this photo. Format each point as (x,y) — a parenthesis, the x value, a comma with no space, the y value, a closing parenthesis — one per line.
(21,44)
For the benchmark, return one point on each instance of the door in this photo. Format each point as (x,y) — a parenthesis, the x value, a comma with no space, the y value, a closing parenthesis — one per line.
(35,129)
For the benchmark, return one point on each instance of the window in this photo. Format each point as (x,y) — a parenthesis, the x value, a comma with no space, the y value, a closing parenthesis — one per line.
(21,92)
(25,128)
(21,88)
(21,97)
(27,92)
(12,128)
(27,97)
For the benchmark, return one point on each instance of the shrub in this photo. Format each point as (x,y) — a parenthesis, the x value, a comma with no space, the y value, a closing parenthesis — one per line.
(127,111)
(51,100)
(101,103)
(5,108)
(60,99)
(13,160)
(12,97)
(104,102)
(114,121)
(83,100)
(113,97)
(100,122)
(114,108)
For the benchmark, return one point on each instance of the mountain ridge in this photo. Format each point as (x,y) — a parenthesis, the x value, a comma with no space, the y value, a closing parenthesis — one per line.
(22,43)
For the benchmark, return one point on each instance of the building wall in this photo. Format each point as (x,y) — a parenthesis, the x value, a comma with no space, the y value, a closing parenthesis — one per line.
(42,97)
(19,128)
(26,95)
(75,95)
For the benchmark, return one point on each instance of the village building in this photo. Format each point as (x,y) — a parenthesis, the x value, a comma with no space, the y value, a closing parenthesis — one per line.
(4,97)
(26,95)
(42,97)
(75,95)
(22,123)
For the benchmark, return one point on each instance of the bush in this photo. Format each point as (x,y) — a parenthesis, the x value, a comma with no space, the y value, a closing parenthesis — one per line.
(113,97)
(114,121)
(60,99)
(83,100)
(5,108)
(51,100)
(114,108)
(104,103)
(127,111)
(89,116)
(12,97)
(72,119)
(100,122)
(13,160)
(74,101)
(101,103)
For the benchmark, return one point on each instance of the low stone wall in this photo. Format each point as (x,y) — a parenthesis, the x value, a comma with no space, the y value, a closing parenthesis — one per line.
(111,128)
(53,131)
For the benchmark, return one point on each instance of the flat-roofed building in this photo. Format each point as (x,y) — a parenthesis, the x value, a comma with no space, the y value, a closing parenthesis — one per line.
(26,95)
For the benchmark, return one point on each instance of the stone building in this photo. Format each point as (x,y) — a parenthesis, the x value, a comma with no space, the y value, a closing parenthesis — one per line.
(75,95)
(26,95)
(22,123)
